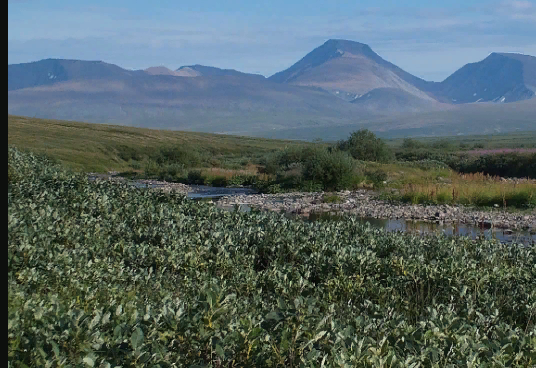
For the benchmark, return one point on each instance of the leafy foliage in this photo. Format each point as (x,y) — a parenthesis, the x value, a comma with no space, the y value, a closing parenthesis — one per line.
(495,164)
(311,167)
(364,145)
(101,274)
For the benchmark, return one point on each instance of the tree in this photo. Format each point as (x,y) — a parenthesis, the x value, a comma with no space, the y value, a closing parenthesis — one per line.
(364,145)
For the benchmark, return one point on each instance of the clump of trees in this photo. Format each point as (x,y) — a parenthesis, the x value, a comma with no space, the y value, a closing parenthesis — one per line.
(322,167)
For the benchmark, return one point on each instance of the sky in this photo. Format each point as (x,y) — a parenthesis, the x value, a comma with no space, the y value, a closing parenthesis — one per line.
(430,39)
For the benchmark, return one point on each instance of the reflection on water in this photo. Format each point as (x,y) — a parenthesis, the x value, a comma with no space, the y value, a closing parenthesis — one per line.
(450,229)
(416,227)
(201,192)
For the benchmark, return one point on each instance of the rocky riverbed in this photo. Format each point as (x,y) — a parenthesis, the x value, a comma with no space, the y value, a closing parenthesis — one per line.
(363,203)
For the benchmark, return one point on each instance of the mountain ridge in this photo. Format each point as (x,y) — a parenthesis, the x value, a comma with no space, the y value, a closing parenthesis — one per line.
(349,66)
(339,84)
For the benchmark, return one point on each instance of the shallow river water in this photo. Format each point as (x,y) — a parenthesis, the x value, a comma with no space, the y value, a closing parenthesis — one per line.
(400,225)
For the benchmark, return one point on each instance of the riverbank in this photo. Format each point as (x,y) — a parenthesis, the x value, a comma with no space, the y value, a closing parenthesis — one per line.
(363,203)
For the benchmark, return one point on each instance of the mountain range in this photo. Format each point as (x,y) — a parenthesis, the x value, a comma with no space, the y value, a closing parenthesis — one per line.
(336,88)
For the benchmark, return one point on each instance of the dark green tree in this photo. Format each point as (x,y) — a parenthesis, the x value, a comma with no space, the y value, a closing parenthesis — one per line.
(364,145)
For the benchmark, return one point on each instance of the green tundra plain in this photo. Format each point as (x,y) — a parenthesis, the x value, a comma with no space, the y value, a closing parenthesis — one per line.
(465,170)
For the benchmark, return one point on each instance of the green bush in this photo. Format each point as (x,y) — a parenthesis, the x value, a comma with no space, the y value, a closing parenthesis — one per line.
(376,177)
(217,181)
(288,158)
(134,164)
(195,177)
(334,170)
(426,164)
(187,157)
(500,164)
(312,168)
(151,169)
(242,180)
(102,274)
(364,145)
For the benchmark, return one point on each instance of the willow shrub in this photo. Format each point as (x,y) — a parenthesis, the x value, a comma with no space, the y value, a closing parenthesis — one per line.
(102,275)
(364,145)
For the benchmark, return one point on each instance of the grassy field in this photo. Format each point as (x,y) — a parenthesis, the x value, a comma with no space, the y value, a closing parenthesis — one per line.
(516,140)
(101,148)
(276,165)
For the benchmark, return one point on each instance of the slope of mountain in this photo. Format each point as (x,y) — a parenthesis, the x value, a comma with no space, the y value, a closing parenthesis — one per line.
(463,119)
(51,71)
(210,104)
(394,101)
(348,66)
(338,86)
(210,71)
(498,78)
(161,70)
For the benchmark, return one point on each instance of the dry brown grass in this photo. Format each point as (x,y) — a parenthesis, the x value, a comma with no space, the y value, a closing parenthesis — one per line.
(473,189)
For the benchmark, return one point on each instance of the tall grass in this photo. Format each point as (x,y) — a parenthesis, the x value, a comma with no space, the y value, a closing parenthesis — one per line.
(472,189)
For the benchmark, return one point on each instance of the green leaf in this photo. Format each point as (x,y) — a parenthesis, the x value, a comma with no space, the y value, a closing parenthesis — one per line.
(274,315)
(219,351)
(136,339)
(89,361)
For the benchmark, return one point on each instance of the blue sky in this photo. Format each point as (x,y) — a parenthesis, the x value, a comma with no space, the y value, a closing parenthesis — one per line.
(429,39)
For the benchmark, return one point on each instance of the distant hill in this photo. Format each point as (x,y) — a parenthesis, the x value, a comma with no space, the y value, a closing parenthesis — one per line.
(210,71)
(463,119)
(53,71)
(205,103)
(498,78)
(161,70)
(340,85)
(348,66)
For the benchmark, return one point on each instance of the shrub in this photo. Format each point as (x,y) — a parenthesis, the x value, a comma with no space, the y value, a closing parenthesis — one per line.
(364,145)
(195,177)
(287,159)
(134,164)
(103,274)
(312,168)
(151,168)
(377,177)
(501,164)
(176,155)
(334,170)
(217,181)
(425,164)
(241,180)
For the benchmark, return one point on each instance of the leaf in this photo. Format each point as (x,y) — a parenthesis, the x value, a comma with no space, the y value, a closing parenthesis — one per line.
(89,361)
(55,348)
(211,298)
(136,339)
(219,351)
(274,315)
(106,318)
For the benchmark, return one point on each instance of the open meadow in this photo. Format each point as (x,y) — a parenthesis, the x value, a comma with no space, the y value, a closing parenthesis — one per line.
(417,171)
